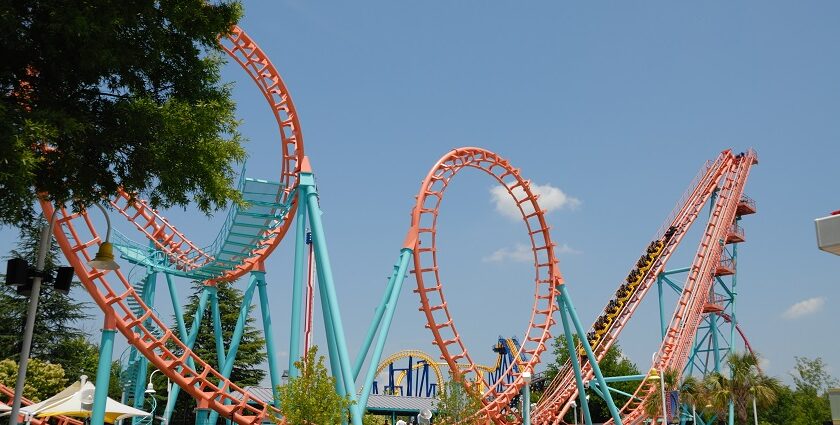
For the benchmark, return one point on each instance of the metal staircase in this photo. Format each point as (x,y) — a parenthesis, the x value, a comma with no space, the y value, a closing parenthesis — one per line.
(245,230)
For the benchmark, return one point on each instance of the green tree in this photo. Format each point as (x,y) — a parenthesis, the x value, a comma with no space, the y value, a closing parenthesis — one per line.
(112,94)
(653,404)
(250,356)
(43,379)
(809,397)
(311,398)
(744,383)
(806,403)
(812,375)
(613,364)
(78,357)
(58,314)
(458,402)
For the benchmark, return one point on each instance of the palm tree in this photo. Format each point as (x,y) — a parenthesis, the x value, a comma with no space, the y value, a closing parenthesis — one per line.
(653,404)
(744,386)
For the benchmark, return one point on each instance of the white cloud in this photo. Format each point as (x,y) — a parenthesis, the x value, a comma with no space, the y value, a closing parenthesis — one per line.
(804,308)
(550,198)
(522,253)
(565,249)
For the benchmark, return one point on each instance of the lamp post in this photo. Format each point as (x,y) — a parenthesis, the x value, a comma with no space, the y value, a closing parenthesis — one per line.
(755,410)
(32,309)
(574,407)
(526,403)
(660,375)
(150,389)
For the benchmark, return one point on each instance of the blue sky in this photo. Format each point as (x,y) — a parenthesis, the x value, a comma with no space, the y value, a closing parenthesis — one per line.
(617,106)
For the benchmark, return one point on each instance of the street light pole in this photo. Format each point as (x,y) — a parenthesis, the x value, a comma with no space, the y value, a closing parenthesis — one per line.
(526,403)
(150,389)
(32,309)
(574,406)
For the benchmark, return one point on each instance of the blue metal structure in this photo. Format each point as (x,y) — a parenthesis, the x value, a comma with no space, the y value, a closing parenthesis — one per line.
(716,335)
(244,230)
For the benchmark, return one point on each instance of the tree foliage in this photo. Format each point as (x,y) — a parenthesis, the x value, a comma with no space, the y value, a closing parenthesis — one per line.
(311,398)
(43,379)
(458,402)
(743,383)
(114,94)
(613,364)
(58,314)
(805,403)
(653,404)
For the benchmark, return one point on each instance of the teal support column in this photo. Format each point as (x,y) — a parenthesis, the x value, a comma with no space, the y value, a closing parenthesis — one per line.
(377,319)
(202,416)
(624,378)
(733,295)
(573,356)
(236,338)
(594,387)
(217,324)
(274,372)
(335,369)
(297,283)
(713,329)
(322,260)
(589,354)
(103,371)
(390,307)
(176,308)
(142,362)
(661,306)
(199,313)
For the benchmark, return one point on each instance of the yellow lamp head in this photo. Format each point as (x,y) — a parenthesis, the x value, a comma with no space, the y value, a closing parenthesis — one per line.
(104,259)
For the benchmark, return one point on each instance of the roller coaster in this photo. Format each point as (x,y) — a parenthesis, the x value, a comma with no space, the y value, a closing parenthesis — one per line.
(250,234)
(419,364)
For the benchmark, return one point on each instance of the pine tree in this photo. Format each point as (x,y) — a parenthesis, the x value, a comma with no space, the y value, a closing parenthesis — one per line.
(57,336)
(58,315)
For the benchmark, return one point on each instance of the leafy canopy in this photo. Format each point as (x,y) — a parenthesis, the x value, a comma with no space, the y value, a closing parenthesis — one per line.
(458,402)
(112,94)
(43,379)
(311,398)
(613,364)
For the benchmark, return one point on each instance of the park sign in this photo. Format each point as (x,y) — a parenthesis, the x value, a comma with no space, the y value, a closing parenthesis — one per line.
(828,233)
(834,399)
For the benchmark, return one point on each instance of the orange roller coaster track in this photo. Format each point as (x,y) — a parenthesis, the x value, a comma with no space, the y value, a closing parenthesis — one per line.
(430,287)
(726,177)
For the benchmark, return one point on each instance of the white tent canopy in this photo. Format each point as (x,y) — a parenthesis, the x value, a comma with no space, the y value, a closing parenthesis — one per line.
(77,401)
(5,407)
